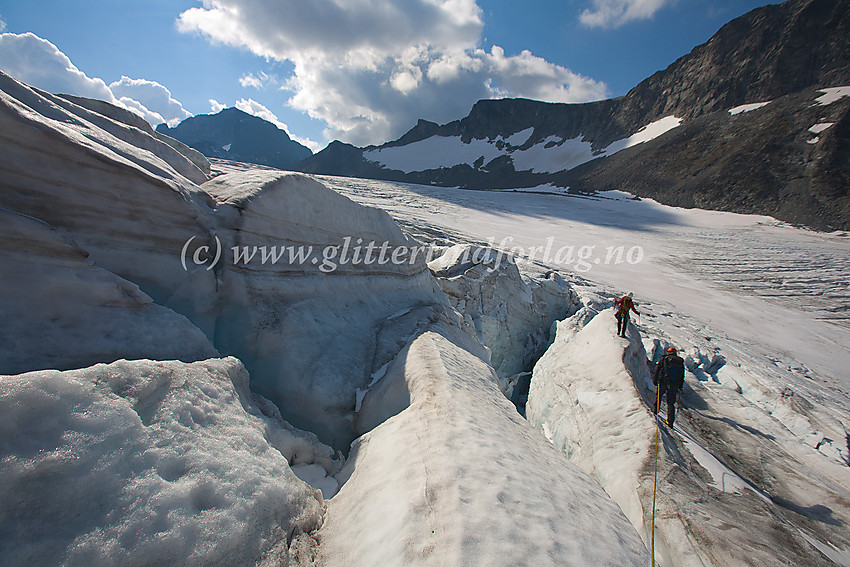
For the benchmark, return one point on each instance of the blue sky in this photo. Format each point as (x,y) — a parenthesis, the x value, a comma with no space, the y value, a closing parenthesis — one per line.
(362,71)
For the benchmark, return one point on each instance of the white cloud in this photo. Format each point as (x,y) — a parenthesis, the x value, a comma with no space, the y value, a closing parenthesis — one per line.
(257,81)
(615,13)
(370,68)
(41,64)
(2,24)
(151,95)
(251,106)
(216,106)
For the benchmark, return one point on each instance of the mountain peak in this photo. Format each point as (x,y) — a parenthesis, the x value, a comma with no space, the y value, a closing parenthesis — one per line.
(236,135)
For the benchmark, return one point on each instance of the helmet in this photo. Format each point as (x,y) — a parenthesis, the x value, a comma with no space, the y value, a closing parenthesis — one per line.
(672,350)
(629,294)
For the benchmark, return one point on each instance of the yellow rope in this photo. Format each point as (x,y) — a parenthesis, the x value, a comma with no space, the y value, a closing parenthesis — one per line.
(655,472)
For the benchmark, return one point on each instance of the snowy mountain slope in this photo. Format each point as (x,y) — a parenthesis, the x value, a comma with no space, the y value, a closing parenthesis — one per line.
(770,160)
(141,463)
(683,146)
(457,477)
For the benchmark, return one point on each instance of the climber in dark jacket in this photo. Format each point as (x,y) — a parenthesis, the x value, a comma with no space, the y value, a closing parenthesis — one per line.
(669,376)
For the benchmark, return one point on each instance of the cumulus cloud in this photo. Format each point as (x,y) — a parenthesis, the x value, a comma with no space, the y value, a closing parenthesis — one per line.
(370,68)
(216,106)
(152,96)
(258,80)
(615,13)
(41,64)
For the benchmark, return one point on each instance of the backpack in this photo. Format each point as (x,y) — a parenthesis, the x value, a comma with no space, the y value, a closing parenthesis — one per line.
(675,372)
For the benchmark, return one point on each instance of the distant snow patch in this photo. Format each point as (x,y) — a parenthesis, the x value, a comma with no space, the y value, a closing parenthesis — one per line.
(226,148)
(820,127)
(747,107)
(832,94)
(645,134)
(545,188)
(565,155)
(434,153)
(814,140)
(520,137)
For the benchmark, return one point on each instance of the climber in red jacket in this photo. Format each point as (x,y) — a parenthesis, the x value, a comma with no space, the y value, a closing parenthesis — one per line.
(624,304)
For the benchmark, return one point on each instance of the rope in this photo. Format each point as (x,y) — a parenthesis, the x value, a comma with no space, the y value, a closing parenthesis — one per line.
(655,472)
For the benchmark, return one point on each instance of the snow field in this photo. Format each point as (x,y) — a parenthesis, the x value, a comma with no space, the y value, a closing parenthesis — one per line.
(832,94)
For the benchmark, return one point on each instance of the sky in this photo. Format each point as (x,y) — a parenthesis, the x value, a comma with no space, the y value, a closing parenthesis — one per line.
(361,71)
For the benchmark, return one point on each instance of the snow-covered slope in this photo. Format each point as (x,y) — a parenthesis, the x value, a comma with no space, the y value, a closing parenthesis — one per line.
(681,136)
(149,463)
(454,476)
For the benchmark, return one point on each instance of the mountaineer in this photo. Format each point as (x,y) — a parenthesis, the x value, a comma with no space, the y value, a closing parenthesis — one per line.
(624,304)
(669,376)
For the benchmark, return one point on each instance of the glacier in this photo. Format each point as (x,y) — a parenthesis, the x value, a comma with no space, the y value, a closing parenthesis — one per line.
(271,413)
(157,409)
